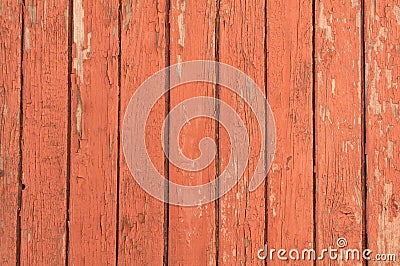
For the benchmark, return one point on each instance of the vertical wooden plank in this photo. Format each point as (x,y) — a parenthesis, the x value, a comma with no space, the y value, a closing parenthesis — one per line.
(45,126)
(94,133)
(10,88)
(382,38)
(241,212)
(289,88)
(338,123)
(192,229)
(143,48)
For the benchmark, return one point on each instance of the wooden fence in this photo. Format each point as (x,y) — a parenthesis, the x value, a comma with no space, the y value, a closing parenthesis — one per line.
(68,68)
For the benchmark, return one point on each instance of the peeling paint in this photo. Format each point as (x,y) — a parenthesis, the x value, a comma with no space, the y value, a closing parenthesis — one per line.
(346,144)
(383,33)
(354,3)
(396,11)
(374,103)
(390,150)
(128,13)
(325,113)
(388,73)
(377,173)
(5,110)
(79,114)
(32,13)
(323,23)
(27,42)
(179,66)
(358,19)
(272,199)
(387,224)
(333,85)
(395,109)
(79,36)
(181,24)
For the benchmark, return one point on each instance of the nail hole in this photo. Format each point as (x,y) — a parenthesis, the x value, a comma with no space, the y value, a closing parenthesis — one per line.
(23,186)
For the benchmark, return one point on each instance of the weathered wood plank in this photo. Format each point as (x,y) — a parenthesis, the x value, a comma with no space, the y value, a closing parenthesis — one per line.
(94,133)
(338,114)
(192,229)
(382,39)
(10,105)
(242,213)
(143,52)
(289,92)
(45,127)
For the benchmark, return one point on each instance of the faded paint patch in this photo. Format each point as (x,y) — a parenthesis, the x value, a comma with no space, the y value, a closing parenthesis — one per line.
(395,109)
(79,114)
(32,13)
(128,13)
(5,110)
(325,113)
(27,42)
(323,23)
(374,103)
(388,78)
(358,19)
(372,10)
(377,173)
(396,11)
(390,150)
(79,37)
(181,24)
(272,199)
(383,34)
(345,146)
(179,65)
(388,224)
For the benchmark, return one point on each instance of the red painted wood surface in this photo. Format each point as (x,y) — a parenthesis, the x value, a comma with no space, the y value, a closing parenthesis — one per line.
(191,234)
(143,52)
(241,214)
(290,92)
(44,132)
(338,120)
(94,130)
(10,89)
(382,63)
(330,71)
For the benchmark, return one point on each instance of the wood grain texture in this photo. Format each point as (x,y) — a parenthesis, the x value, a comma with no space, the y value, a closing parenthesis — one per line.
(192,229)
(241,212)
(143,52)
(330,71)
(45,126)
(338,114)
(382,38)
(94,131)
(289,92)
(10,106)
